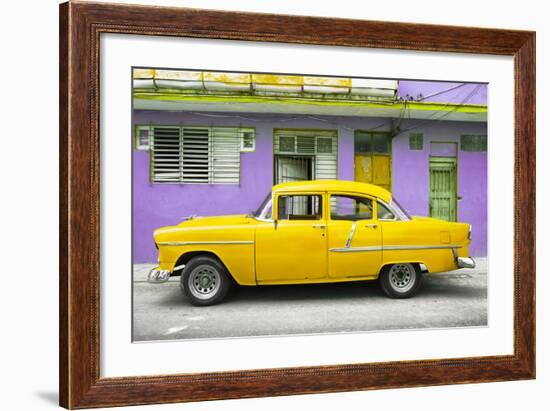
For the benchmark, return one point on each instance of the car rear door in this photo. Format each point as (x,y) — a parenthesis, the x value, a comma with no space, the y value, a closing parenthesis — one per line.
(354,237)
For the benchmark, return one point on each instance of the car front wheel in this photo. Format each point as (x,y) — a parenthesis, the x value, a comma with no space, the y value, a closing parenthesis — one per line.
(401,280)
(205,281)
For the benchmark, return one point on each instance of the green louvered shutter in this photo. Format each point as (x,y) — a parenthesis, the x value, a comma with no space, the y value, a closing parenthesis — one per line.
(197,155)
(443,197)
(166,155)
(225,155)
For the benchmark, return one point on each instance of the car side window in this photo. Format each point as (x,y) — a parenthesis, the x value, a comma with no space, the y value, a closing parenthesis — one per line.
(300,207)
(383,212)
(351,208)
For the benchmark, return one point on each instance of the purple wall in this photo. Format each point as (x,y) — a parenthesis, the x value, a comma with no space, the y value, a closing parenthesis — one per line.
(410,176)
(156,205)
(449,92)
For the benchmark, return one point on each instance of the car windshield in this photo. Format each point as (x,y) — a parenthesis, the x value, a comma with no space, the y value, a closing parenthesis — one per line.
(400,210)
(264,210)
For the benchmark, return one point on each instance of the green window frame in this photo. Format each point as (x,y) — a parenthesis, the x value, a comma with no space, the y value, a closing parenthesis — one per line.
(416,141)
(367,142)
(474,143)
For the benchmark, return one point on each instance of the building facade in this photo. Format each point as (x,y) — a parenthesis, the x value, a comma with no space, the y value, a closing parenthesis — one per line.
(211,155)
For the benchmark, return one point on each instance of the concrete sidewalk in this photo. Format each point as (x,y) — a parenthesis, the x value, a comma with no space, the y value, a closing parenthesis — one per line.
(453,299)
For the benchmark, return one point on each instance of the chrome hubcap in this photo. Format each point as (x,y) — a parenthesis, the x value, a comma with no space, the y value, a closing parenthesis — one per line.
(204,282)
(402,277)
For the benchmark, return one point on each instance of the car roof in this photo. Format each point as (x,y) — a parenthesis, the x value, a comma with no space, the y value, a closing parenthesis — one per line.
(334,185)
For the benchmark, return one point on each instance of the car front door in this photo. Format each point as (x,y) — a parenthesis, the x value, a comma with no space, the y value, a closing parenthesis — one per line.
(354,237)
(294,246)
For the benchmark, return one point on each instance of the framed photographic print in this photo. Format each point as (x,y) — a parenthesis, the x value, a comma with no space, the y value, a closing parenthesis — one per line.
(258,205)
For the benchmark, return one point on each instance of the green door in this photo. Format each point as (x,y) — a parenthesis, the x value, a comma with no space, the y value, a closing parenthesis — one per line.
(443,198)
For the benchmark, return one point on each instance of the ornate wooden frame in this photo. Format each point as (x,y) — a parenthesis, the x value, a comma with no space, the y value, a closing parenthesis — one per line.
(80,27)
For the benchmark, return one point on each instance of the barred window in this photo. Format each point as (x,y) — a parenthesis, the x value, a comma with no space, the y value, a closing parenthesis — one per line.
(473,142)
(306,154)
(196,155)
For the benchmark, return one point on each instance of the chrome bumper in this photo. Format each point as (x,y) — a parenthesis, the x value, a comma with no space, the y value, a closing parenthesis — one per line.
(157,276)
(465,262)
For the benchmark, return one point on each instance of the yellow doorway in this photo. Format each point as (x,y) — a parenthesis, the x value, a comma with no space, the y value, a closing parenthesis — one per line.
(373,158)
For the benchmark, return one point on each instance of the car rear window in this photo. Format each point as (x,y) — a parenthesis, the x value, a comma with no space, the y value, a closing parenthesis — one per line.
(352,208)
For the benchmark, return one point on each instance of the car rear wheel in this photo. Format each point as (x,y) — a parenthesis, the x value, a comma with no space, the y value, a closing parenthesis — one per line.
(205,281)
(401,280)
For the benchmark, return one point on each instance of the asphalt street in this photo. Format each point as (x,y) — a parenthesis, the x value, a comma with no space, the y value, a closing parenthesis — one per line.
(453,299)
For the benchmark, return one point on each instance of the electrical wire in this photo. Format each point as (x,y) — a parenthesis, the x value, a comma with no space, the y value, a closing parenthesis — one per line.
(442,92)
(278,119)
(446,112)
(396,128)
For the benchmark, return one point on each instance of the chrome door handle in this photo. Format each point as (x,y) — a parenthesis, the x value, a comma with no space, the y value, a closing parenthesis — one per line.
(321,226)
(371,225)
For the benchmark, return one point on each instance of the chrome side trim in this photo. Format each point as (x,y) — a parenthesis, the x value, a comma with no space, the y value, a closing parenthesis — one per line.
(419,247)
(392,248)
(356,249)
(351,233)
(176,243)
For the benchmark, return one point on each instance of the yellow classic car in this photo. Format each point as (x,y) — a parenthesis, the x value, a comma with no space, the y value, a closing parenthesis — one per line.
(310,232)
